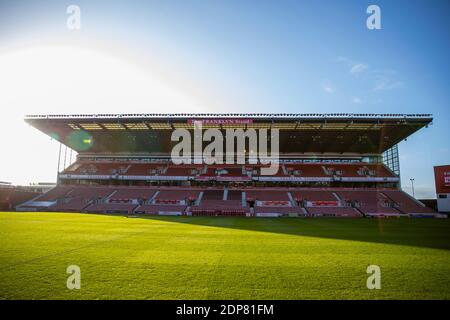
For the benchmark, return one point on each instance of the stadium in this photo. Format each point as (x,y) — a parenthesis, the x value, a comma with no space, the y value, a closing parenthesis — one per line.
(330,165)
(139,226)
(224,155)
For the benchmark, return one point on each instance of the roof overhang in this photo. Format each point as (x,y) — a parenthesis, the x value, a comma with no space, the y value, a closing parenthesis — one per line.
(299,133)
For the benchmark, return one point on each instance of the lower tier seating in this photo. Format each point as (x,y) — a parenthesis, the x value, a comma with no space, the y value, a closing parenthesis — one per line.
(130,194)
(111,208)
(370,202)
(405,203)
(279,211)
(334,212)
(75,204)
(219,208)
(160,209)
(260,201)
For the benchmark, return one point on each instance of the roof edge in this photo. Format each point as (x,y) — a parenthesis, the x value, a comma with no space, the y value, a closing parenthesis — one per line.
(233,115)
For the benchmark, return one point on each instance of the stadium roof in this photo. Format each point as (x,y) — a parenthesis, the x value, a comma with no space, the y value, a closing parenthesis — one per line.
(299,133)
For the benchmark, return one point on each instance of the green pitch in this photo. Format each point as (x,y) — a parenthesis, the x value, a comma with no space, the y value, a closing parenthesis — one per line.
(221,258)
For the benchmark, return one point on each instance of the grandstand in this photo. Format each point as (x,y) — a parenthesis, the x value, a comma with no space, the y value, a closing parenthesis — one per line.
(12,195)
(339,165)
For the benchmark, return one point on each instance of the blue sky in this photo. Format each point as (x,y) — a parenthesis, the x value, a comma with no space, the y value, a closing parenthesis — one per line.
(253,56)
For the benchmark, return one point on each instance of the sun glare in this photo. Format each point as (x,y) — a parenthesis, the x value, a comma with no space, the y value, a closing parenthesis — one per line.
(68,80)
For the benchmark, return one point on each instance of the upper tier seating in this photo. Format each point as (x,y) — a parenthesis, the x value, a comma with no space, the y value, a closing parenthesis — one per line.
(229,171)
(209,171)
(226,172)
(305,170)
(182,170)
(97,168)
(379,170)
(342,170)
(347,170)
(144,169)
(363,170)
(279,173)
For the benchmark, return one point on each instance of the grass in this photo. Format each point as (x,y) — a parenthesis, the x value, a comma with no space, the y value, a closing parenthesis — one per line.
(221,258)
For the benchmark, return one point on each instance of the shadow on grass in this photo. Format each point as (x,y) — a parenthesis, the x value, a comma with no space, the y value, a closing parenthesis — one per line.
(428,233)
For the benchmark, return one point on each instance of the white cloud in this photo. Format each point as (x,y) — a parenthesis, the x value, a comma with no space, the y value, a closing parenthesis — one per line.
(386,80)
(385,83)
(328,87)
(356,100)
(382,79)
(355,68)
(358,68)
(342,59)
